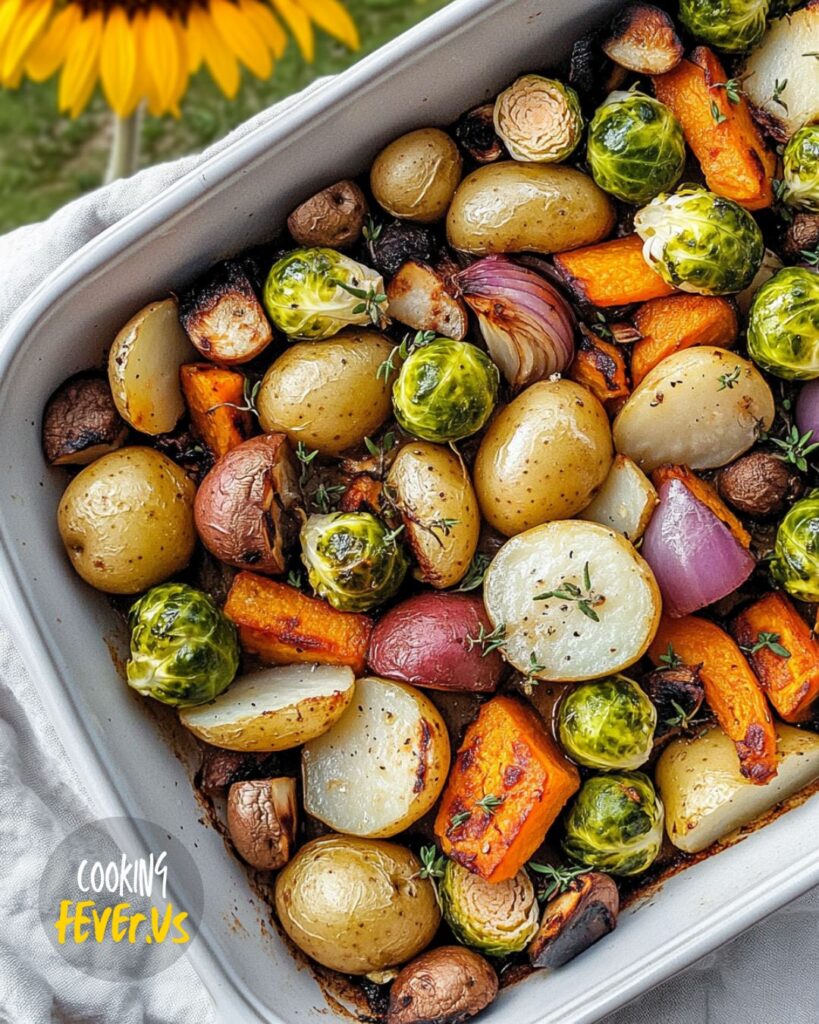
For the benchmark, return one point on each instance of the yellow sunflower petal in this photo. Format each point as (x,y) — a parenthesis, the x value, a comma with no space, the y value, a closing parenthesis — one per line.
(193,41)
(334,19)
(240,34)
(79,74)
(266,25)
(299,24)
(162,56)
(50,50)
(29,24)
(182,74)
(220,61)
(9,11)
(118,62)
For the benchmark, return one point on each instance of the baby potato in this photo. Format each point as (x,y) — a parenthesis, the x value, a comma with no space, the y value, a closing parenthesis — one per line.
(127,520)
(357,905)
(440,511)
(326,393)
(520,207)
(702,408)
(415,177)
(543,457)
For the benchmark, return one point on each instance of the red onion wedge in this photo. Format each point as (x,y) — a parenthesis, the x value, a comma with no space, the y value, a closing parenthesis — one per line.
(528,326)
(694,556)
(807,409)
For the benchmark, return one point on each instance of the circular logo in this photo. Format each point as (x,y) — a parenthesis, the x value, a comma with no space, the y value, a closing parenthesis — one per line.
(121,899)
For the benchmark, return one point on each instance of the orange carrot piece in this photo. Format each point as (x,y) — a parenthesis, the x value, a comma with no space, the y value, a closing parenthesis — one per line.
(282,626)
(611,274)
(601,367)
(707,494)
(677,322)
(791,683)
(731,689)
(506,754)
(733,156)
(207,387)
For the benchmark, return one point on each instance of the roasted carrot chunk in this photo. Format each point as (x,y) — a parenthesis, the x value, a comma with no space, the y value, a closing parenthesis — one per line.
(212,394)
(611,274)
(722,133)
(731,689)
(677,322)
(507,786)
(282,626)
(783,653)
(601,367)
(707,494)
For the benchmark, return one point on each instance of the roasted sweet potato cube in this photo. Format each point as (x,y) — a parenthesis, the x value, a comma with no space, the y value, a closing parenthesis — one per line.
(214,397)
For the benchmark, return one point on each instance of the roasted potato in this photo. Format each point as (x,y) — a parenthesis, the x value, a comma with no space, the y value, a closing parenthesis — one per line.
(625,502)
(333,217)
(127,520)
(415,177)
(418,297)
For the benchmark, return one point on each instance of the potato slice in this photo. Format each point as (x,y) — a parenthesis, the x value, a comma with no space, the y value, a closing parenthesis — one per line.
(706,798)
(604,611)
(143,368)
(418,298)
(625,502)
(275,709)
(382,766)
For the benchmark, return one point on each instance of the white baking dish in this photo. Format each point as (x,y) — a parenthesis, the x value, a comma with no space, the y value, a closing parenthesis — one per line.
(457,58)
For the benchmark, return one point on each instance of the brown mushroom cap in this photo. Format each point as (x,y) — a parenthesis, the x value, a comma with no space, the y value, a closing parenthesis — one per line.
(442,986)
(261,818)
(333,217)
(575,920)
(759,485)
(801,235)
(81,422)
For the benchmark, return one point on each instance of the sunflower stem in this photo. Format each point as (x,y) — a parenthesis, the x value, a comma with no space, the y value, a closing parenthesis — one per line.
(124,147)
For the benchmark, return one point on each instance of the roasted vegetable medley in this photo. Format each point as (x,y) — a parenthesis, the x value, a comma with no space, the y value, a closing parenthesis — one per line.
(471,526)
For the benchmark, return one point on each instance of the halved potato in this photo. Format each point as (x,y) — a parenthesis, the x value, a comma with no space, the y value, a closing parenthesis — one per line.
(382,766)
(706,798)
(143,368)
(274,709)
(602,612)
(419,298)
(625,502)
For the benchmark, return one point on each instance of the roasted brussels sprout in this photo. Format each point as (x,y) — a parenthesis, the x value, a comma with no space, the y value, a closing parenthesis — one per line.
(783,326)
(636,147)
(352,559)
(445,391)
(730,25)
(700,242)
(184,651)
(796,553)
(539,119)
(498,918)
(615,824)
(800,163)
(314,293)
(607,723)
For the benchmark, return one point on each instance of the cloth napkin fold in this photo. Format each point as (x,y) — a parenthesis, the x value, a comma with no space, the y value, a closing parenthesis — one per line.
(766,976)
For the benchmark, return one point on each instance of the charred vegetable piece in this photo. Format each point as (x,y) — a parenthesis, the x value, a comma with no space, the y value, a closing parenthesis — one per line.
(643,39)
(607,724)
(613,273)
(731,689)
(615,824)
(601,367)
(676,691)
(333,217)
(415,177)
(759,485)
(216,402)
(223,317)
(184,651)
(730,25)
(419,297)
(575,920)
(390,247)
(81,422)
(801,235)
(261,818)
(783,326)
(539,119)
(800,163)
(507,786)
(496,918)
(282,626)
(475,132)
(248,507)
(625,502)
(796,555)
(447,985)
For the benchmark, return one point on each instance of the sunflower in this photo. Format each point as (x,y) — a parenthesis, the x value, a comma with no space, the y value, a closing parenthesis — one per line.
(147,50)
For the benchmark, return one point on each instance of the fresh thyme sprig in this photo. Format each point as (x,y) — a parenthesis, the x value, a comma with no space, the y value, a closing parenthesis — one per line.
(305,456)
(250,393)
(559,878)
(474,574)
(717,114)
(728,380)
(371,300)
(488,642)
(325,496)
(769,641)
(670,659)
(795,448)
(779,88)
(586,599)
(733,90)
(489,803)
(408,344)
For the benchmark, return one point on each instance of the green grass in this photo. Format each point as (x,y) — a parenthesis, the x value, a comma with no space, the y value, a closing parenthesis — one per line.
(47,160)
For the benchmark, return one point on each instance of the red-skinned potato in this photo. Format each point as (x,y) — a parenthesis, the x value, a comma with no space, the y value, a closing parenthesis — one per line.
(248,507)
(425,641)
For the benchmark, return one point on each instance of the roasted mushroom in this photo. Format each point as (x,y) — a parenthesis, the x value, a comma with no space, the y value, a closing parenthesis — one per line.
(248,507)
(388,248)
(475,132)
(575,920)
(643,40)
(759,485)
(418,297)
(81,422)
(801,235)
(446,985)
(261,818)
(333,217)
(220,767)
(677,693)
(223,316)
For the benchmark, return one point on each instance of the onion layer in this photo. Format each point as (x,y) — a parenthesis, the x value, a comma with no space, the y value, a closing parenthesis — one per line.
(528,326)
(807,409)
(695,557)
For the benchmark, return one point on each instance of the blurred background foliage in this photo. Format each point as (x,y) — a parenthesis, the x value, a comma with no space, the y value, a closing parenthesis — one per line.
(47,160)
